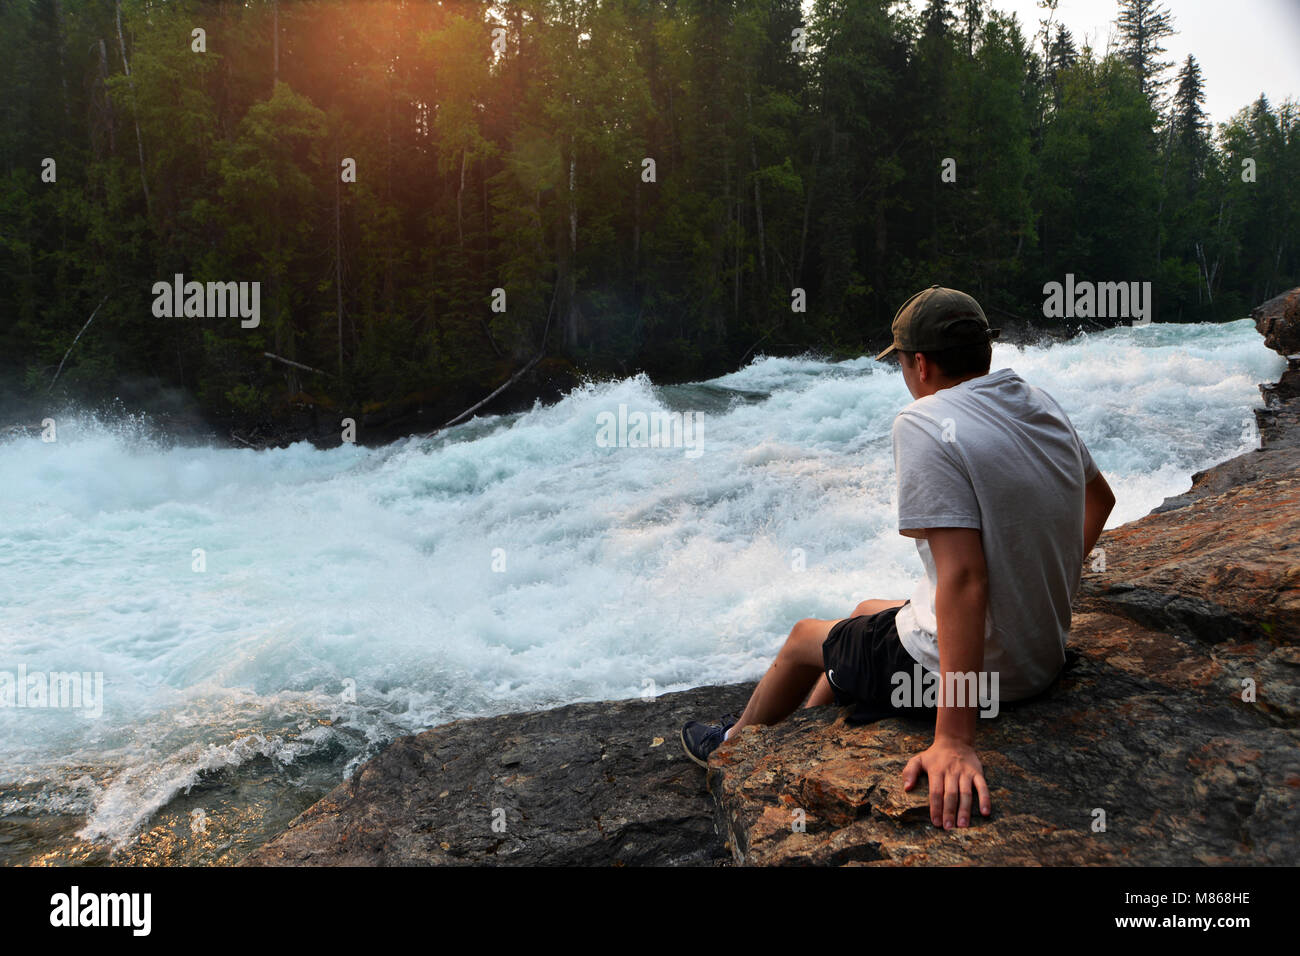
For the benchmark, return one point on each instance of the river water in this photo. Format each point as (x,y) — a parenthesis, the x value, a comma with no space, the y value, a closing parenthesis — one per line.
(262,621)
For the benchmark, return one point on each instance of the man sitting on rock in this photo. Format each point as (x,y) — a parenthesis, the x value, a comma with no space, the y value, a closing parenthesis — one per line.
(1005,502)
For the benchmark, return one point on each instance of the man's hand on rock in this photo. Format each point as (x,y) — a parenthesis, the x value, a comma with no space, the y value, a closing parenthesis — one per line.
(955,776)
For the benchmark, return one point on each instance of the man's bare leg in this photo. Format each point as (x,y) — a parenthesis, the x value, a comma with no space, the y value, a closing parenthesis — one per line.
(822,694)
(797,670)
(875,606)
(791,676)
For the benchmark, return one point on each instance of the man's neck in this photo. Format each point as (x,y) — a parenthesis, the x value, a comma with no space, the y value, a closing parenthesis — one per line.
(957,381)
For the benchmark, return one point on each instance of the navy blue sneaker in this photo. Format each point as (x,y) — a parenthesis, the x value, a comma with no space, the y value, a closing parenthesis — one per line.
(699,740)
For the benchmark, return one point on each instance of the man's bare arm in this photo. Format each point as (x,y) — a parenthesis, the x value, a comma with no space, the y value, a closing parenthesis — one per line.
(961,601)
(1098,502)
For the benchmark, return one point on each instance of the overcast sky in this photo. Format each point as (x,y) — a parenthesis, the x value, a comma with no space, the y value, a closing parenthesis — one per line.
(1245,47)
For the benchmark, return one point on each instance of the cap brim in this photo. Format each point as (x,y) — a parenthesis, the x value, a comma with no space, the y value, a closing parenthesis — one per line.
(992,333)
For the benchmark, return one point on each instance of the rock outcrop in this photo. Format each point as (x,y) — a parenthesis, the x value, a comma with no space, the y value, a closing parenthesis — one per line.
(1278,320)
(1172,738)
(1145,752)
(586,784)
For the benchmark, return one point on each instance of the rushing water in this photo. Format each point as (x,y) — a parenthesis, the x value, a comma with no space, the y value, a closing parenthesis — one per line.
(513,563)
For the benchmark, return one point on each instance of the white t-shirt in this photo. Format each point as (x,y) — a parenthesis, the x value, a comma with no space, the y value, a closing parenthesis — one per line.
(998,454)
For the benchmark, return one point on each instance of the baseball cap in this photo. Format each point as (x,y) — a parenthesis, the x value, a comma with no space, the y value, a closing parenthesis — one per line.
(936,319)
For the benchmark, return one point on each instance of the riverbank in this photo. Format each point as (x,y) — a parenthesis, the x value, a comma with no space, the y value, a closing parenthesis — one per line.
(1171,738)
(546,383)
(176,417)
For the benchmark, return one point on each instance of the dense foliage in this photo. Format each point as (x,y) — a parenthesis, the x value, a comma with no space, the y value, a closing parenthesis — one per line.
(518,161)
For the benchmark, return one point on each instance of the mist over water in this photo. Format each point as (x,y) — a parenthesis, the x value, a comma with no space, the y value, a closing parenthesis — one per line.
(350,594)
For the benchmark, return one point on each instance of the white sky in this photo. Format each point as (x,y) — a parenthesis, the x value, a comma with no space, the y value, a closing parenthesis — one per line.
(1245,47)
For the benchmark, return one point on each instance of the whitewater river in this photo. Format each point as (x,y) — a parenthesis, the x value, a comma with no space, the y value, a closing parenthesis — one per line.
(264,620)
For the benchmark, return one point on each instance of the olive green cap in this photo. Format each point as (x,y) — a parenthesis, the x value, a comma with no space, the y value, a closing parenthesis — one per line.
(936,319)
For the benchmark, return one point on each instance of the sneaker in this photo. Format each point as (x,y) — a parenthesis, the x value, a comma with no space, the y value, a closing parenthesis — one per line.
(699,740)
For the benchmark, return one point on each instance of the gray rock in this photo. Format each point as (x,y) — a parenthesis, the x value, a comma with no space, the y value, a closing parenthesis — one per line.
(593,784)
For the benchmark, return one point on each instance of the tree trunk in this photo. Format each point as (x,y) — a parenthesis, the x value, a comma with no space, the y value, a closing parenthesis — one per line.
(275,44)
(63,67)
(935,248)
(108,102)
(390,290)
(1164,175)
(758,198)
(460,229)
(571,311)
(126,68)
(737,209)
(807,206)
(1205,272)
(338,257)
(541,232)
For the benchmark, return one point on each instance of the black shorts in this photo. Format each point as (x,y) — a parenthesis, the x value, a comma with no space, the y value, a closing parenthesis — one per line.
(861,656)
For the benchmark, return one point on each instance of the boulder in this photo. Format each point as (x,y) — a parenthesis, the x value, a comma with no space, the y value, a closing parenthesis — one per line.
(1278,320)
(592,784)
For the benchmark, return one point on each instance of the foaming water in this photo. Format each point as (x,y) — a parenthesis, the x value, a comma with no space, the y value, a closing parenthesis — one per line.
(353,594)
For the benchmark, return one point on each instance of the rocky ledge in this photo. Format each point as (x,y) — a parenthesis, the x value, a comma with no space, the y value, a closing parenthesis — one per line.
(1172,738)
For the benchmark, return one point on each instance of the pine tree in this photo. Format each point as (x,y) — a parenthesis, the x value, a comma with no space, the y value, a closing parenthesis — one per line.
(1060,57)
(825,168)
(972,20)
(1192,126)
(938,18)
(1142,25)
